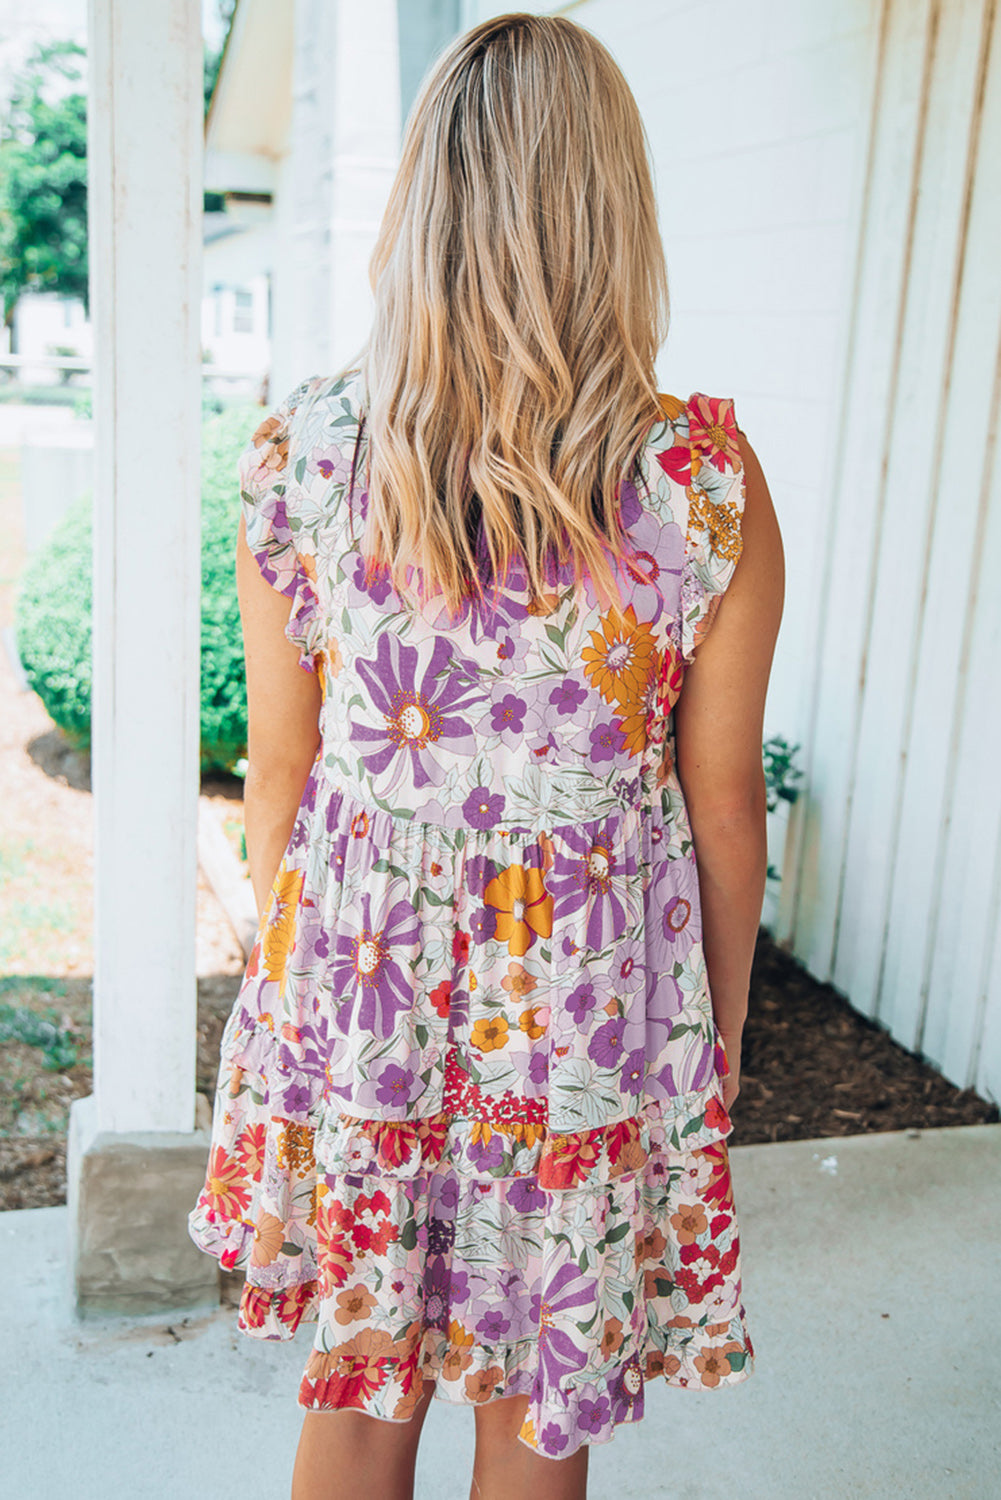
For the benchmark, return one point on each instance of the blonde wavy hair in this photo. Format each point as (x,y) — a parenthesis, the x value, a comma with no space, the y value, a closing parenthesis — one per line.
(520,301)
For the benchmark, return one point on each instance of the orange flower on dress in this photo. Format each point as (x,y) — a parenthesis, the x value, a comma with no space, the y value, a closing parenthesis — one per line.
(621,659)
(271,442)
(529,1021)
(460,1351)
(713,1364)
(480,1385)
(518,981)
(269,1237)
(335,656)
(523,905)
(354,1302)
(690,1221)
(279,929)
(227,1191)
(611,1338)
(489,1035)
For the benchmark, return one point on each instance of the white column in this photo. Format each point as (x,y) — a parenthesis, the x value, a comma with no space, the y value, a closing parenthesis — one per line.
(366,145)
(145,186)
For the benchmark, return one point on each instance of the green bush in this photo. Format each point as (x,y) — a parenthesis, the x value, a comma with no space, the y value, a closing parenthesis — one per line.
(52,612)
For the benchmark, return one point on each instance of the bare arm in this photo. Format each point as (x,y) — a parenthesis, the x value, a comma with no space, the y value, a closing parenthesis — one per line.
(719,722)
(283,711)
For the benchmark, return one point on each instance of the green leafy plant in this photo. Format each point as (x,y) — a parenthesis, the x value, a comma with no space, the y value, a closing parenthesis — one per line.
(53,607)
(781,775)
(18,1024)
(781,778)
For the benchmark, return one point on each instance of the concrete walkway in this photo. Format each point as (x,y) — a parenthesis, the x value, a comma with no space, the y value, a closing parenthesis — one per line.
(872,1287)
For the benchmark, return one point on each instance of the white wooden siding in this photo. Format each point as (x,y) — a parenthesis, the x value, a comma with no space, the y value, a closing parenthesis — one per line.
(829,178)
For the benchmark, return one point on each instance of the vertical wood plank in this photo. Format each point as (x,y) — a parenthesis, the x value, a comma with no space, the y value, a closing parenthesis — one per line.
(951,794)
(856,488)
(893,674)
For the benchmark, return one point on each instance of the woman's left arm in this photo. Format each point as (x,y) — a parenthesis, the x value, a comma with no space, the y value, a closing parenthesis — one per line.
(283,722)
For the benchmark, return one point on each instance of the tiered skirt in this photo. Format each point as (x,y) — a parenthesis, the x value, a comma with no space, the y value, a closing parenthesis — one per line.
(565,1239)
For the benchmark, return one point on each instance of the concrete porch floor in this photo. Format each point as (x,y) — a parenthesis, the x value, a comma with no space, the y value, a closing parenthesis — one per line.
(872,1286)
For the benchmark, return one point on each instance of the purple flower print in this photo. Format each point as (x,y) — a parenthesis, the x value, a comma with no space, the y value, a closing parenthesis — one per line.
(395,1085)
(445,1192)
(593,1411)
(483,924)
(295,1099)
(478,872)
(525,1195)
(493,1325)
(458,1287)
(551,1439)
(437,1292)
(567,697)
(673,912)
(512,649)
(312,941)
(417,715)
(569,1290)
(330,462)
(594,871)
(628,971)
(483,808)
(626,1390)
(634,1071)
(441,1235)
(538,1067)
(664,997)
(487,1156)
(507,718)
(580,1001)
(487,620)
(630,507)
(376,592)
(605,1046)
(607,741)
(656,564)
(370,989)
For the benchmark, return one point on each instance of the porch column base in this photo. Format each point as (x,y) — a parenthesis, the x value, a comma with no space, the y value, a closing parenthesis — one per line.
(129,1196)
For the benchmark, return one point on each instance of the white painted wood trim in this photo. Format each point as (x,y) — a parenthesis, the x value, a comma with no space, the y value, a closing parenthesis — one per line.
(145,155)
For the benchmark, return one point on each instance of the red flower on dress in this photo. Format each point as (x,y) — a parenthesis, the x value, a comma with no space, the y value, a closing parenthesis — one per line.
(716,1115)
(227,1191)
(712,431)
(441,996)
(676,462)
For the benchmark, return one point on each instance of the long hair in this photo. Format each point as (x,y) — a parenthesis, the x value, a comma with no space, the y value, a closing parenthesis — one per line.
(520,301)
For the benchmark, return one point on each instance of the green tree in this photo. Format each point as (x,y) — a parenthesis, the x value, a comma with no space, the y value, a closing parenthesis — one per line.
(43,179)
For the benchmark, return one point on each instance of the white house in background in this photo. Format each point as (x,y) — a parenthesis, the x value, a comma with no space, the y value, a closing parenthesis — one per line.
(48,326)
(238,250)
(829,180)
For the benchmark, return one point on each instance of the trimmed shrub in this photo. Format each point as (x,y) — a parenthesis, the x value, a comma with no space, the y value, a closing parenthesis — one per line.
(53,607)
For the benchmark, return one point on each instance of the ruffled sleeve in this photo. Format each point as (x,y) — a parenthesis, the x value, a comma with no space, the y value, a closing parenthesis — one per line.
(715,511)
(268,492)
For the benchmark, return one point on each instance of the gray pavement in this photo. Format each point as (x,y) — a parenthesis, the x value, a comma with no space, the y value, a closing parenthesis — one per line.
(872,1286)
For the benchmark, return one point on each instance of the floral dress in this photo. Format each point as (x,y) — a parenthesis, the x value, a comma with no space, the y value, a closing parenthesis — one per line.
(469,1117)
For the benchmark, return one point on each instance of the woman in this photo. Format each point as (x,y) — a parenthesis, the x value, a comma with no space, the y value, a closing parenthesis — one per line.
(474,1093)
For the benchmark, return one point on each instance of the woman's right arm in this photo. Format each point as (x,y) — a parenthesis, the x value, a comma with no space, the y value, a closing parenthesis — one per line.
(719,723)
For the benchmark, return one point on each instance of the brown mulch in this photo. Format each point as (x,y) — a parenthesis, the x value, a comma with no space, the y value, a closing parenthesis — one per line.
(812,1066)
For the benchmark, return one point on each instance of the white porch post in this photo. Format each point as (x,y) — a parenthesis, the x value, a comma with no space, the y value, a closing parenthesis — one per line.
(135,1157)
(365,141)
